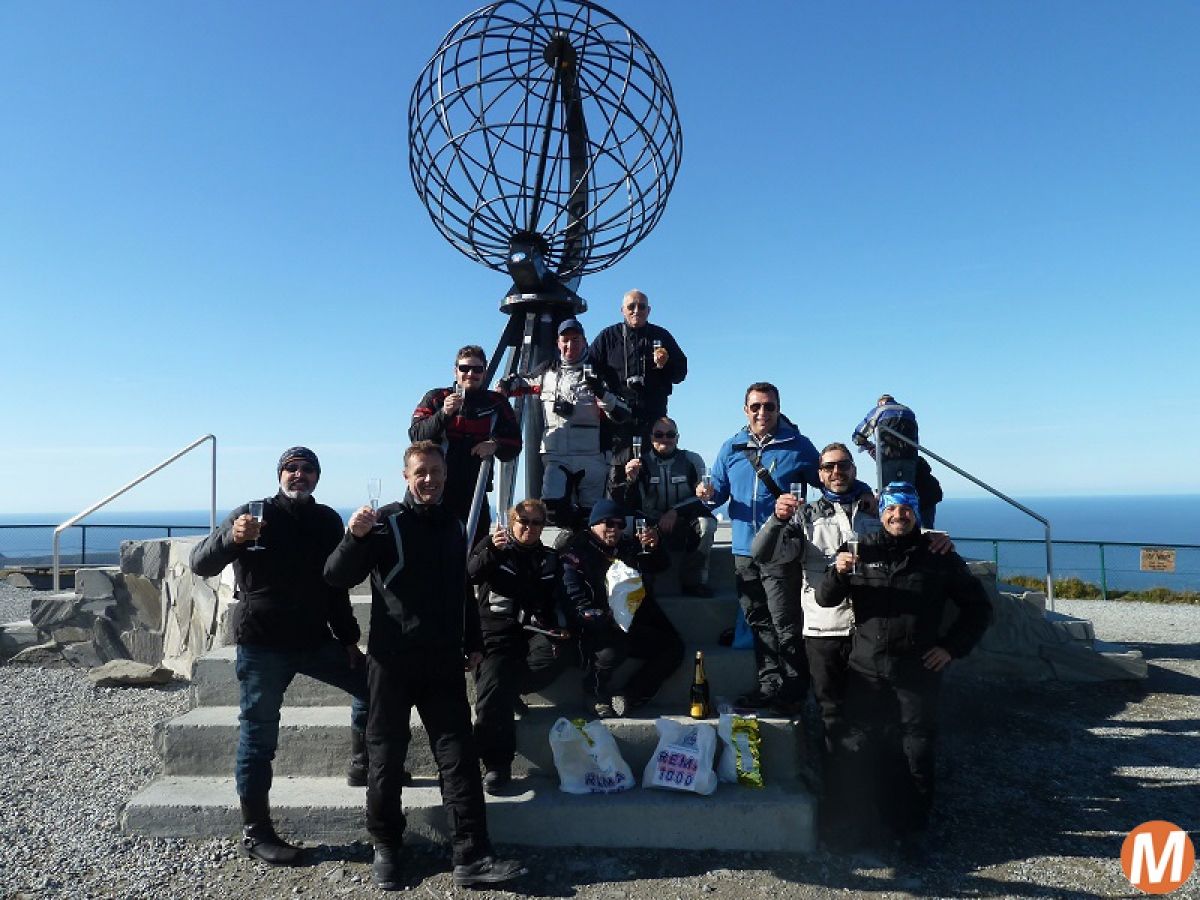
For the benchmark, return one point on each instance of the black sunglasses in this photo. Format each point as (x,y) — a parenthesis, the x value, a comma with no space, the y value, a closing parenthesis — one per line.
(614,523)
(633,306)
(462,367)
(531,523)
(306,468)
(664,434)
(769,407)
(843,465)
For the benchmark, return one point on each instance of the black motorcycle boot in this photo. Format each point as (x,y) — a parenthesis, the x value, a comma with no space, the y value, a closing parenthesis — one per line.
(259,840)
(356,772)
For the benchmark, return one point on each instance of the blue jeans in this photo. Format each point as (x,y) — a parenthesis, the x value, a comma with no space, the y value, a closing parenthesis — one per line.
(263,675)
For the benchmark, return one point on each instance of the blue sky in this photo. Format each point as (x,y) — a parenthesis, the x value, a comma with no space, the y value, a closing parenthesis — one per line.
(987,209)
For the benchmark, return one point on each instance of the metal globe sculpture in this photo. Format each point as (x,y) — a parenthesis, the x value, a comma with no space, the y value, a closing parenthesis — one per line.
(544,139)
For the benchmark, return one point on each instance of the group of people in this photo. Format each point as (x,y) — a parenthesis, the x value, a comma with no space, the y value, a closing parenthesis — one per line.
(842,596)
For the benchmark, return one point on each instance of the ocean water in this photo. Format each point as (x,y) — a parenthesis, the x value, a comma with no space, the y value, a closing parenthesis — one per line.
(973,523)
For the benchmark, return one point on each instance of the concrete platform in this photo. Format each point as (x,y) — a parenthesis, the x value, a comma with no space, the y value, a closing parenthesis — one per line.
(315,741)
(730,673)
(535,813)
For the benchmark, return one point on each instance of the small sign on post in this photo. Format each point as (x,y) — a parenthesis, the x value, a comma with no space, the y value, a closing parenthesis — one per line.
(1158,559)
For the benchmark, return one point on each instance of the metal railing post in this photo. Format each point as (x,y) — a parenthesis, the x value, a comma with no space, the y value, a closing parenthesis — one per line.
(212,513)
(1103,575)
(82,544)
(884,429)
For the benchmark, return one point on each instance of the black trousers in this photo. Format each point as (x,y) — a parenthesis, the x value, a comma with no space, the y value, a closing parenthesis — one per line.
(828,667)
(436,685)
(770,600)
(512,665)
(882,768)
(652,637)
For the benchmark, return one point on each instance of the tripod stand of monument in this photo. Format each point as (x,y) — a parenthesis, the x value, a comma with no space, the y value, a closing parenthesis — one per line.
(544,144)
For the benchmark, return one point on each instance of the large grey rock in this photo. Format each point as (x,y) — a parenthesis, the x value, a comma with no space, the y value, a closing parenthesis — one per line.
(71,634)
(48,656)
(145,558)
(18,580)
(145,596)
(126,672)
(17,636)
(108,641)
(82,655)
(48,610)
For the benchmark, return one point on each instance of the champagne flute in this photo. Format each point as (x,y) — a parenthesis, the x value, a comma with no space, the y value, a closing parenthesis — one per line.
(797,492)
(639,529)
(374,491)
(256,513)
(852,546)
(637,448)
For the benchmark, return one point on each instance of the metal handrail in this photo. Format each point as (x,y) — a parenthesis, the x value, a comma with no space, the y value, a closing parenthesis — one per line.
(987,487)
(212,514)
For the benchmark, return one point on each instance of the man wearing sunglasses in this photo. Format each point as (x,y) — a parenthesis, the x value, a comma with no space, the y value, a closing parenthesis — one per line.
(647,360)
(603,645)
(524,644)
(752,468)
(660,486)
(471,423)
(287,621)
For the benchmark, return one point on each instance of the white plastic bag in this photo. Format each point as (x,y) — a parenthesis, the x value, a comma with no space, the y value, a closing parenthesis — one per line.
(625,592)
(587,758)
(683,760)
(741,750)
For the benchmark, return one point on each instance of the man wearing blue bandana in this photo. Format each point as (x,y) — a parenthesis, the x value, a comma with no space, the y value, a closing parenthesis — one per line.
(898,588)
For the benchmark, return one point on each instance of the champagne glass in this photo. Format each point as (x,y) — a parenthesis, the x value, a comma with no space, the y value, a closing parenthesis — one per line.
(639,529)
(637,448)
(374,491)
(852,546)
(256,513)
(797,489)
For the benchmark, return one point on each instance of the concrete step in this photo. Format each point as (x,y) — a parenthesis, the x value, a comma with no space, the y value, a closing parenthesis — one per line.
(535,813)
(315,741)
(730,673)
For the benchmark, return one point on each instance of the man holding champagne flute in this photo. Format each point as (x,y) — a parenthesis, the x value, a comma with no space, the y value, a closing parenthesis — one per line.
(288,621)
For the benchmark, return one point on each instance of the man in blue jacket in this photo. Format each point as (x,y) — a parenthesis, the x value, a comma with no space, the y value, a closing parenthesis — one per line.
(752,468)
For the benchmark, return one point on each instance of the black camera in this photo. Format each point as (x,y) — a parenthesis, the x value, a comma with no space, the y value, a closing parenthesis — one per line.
(563,407)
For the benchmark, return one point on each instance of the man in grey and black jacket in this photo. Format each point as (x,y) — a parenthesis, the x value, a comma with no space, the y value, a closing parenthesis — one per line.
(424,633)
(288,621)
(813,533)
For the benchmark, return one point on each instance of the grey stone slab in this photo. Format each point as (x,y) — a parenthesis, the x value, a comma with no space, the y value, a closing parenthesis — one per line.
(108,641)
(145,558)
(144,646)
(48,655)
(127,673)
(70,634)
(17,636)
(535,814)
(48,610)
(95,584)
(145,596)
(315,741)
(82,655)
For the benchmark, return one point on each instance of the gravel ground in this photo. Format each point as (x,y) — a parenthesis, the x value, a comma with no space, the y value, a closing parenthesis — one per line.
(14,602)
(1038,787)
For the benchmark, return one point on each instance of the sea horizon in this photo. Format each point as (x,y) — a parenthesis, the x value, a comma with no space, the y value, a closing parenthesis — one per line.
(1133,520)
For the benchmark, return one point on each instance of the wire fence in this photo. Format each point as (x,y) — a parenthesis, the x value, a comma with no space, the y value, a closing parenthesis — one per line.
(1108,566)
(31,546)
